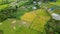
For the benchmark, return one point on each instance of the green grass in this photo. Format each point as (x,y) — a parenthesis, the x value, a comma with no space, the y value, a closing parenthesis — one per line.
(6,27)
(24,30)
(40,20)
(37,26)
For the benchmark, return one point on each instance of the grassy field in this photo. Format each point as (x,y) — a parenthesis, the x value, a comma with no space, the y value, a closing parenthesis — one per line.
(12,28)
(29,22)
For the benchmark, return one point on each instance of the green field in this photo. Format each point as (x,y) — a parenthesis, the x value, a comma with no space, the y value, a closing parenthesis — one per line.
(8,27)
(28,21)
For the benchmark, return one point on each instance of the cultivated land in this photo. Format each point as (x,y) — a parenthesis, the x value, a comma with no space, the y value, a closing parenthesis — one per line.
(27,22)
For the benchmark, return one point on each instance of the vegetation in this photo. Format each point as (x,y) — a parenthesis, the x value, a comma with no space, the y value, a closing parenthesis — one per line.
(29,16)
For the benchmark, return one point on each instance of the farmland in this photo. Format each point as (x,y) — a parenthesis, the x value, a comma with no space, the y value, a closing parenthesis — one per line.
(24,18)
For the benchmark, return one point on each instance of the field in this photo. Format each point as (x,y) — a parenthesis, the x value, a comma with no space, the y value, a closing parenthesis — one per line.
(27,22)
(9,28)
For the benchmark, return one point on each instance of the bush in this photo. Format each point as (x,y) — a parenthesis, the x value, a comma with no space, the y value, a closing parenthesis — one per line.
(8,12)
